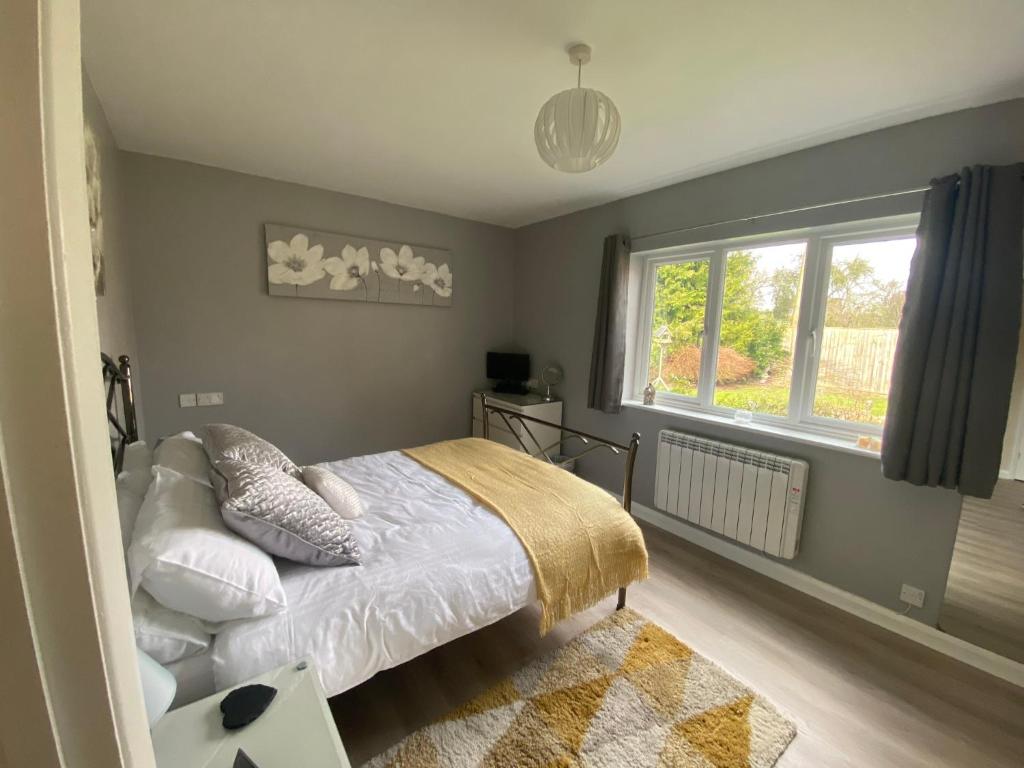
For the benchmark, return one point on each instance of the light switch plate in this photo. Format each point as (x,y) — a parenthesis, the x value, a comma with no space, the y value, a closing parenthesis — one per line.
(210,398)
(187,400)
(912,595)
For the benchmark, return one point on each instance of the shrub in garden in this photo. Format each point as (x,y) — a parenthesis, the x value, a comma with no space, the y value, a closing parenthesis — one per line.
(684,364)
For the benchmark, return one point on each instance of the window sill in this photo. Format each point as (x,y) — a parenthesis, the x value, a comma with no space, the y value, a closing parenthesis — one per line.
(835,443)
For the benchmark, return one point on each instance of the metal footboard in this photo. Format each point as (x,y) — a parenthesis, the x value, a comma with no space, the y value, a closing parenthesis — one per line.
(543,453)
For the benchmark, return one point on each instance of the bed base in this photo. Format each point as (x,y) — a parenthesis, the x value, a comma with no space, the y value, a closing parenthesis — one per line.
(543,453)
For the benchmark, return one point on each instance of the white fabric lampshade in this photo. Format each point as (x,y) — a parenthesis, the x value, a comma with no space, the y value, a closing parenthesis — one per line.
(158,687)
(577,130)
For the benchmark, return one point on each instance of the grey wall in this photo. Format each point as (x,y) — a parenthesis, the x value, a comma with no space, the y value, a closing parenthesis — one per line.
(861,533)
(114,310)
(321,379)
(330,379)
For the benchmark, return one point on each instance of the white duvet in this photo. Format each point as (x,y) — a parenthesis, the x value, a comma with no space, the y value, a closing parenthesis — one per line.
(436,565)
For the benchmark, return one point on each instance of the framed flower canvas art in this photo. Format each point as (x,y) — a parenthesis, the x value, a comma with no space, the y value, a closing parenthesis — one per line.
(324,265)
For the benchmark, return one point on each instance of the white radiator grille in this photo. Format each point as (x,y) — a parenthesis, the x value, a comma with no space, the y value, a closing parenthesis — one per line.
(753,497)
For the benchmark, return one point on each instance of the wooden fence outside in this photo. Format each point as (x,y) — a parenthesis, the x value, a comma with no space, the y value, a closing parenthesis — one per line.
(857,358)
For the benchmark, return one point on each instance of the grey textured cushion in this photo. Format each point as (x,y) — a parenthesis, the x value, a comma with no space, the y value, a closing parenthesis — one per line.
(339,495)
(283,517)
(226,441)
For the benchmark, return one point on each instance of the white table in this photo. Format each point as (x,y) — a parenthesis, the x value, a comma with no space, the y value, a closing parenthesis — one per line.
(529,405)
(296,729)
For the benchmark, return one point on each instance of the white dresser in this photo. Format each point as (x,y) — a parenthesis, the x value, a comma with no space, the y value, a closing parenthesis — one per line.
(528,405)
(296,729)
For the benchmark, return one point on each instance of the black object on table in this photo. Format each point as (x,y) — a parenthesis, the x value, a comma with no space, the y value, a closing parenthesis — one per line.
(242,760)
(245,704)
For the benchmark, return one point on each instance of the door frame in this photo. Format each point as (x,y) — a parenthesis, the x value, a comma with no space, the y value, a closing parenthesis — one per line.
(72,694)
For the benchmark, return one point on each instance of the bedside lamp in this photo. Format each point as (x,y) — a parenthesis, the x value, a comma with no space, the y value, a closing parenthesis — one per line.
(158,687)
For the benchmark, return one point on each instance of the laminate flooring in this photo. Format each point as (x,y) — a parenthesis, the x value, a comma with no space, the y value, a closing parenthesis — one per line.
(985,592)
(860,695)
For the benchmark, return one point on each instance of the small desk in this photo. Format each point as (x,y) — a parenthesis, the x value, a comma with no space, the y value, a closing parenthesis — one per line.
(296,729)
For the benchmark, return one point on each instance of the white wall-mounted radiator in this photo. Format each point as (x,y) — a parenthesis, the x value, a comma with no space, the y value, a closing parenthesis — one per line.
(753,497)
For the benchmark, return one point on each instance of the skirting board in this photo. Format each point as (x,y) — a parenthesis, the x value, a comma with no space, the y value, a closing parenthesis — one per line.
(937,640)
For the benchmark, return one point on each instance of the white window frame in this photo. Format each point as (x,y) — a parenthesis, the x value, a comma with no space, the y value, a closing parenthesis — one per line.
(820,241)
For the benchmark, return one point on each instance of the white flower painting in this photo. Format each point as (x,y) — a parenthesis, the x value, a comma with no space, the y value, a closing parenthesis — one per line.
(438,278)
(93,188)
(404,265)
(350,269)
(294,262)
(323,265)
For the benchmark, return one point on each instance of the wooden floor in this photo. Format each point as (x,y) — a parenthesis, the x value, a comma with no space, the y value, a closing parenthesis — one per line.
(860,695)
(985,593)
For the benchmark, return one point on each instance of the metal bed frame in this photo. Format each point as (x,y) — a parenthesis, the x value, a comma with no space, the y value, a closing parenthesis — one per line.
(126,427)
(543,453)
(118,376)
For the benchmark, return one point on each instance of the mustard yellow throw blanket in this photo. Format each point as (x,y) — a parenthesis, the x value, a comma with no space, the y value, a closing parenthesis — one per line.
(581,542)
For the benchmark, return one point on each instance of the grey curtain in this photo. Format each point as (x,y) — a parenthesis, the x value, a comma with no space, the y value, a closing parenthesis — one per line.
(953,371)
(608,358)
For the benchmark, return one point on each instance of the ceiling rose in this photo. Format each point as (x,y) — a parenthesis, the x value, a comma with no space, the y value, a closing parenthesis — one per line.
(577,129)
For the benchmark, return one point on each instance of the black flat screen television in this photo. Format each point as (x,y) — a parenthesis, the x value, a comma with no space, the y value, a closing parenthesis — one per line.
(510,370)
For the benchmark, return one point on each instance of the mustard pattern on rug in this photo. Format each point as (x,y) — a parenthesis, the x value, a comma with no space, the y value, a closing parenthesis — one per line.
(624,693)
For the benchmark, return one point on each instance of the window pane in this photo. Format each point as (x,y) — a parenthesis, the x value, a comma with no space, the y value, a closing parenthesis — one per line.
(680,297)
(759,316)
(862,315)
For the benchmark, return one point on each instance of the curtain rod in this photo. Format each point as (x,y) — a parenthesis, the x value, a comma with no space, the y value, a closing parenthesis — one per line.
(747,219)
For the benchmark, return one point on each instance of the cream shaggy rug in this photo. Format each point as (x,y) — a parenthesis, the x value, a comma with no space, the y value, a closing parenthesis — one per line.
(624,693)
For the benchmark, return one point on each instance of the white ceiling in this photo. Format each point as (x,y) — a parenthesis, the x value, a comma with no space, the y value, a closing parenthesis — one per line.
(431,103)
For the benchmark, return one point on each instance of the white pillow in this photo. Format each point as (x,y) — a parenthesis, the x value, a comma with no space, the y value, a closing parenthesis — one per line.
(185,557)
(132,483)
(183,453)
(129,502)
(339,495)
(137,456)
(164,634)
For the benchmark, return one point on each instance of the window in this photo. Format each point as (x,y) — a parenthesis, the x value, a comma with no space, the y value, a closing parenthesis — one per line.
(795,329)
(677,327)
(867,283)
(760,304)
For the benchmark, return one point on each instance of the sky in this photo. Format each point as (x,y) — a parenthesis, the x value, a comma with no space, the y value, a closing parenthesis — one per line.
(890,258)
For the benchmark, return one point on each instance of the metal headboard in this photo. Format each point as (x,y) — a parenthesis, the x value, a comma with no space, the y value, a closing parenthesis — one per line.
(118,376)
(543,453)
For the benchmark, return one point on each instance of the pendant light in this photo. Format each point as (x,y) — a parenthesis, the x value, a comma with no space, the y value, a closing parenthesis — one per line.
(577,129)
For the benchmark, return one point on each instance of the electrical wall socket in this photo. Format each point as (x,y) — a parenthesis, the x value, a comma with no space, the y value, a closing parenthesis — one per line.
(210,398)
(187,400)
(912,595)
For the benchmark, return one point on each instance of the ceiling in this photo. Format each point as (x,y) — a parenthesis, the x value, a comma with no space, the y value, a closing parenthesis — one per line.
(431,103)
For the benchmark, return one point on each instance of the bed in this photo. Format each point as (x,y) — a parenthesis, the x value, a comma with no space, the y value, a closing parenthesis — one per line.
(438,564)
